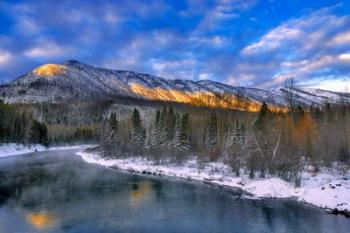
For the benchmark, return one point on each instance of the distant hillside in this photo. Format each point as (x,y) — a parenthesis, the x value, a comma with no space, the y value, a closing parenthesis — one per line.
(75,81)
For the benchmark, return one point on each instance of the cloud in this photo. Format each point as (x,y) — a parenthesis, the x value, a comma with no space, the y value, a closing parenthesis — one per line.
(306,48)
(223,10)
(342,38)
(274,40)
(341,84)
(5,58)
(46,49)
(302,34)
(174,68)
(345,57)
(222,40)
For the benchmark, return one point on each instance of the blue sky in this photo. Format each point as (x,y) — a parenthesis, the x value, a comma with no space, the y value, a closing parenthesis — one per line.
(248,43)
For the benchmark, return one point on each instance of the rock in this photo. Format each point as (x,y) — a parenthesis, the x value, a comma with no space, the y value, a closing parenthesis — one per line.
(208,179)
(241,183)
(131,170)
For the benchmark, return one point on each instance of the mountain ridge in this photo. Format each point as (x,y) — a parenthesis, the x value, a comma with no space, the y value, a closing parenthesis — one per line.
(73,80)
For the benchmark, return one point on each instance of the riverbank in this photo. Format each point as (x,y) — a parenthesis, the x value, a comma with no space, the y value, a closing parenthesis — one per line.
(328,189)
(11,149)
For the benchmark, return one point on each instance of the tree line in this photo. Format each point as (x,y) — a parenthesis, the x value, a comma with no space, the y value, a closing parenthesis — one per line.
(20,127)
(270,143)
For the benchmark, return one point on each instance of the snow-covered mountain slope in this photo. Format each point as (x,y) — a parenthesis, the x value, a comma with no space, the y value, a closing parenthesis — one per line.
(76,81)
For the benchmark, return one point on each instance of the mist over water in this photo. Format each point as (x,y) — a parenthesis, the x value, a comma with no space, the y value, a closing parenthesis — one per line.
(57,192)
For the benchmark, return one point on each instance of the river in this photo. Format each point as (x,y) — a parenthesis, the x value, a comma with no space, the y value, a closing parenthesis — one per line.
(56,191)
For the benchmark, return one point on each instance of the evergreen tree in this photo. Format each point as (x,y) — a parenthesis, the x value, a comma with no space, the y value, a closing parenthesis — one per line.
(170,125)
(212,132)
(162,129)
(152,137)
(137,133)
(234,147)
(38,133)
(182,138)
(112,141)
(212,137)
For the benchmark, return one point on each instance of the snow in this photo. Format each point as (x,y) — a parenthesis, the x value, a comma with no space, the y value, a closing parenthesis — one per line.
(89,82)
(271,188)
(10,149)
(328,189)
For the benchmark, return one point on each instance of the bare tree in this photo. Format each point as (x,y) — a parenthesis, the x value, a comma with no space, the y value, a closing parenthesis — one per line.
(289,92)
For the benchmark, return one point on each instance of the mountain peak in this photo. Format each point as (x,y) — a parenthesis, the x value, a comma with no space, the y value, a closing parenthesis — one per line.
(72,62)
(49,70)
(83,82)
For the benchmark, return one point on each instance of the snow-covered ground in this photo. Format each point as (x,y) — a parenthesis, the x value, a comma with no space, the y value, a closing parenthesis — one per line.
(328,189)
(10,149)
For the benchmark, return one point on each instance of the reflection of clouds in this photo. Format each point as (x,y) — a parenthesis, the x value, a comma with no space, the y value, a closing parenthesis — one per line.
(41,220)
(140,193)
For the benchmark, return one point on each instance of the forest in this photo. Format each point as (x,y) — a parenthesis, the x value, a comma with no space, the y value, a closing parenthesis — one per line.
(21,127)
(268,142)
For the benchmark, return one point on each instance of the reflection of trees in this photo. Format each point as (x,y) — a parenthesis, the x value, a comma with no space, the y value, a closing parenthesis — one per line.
(140,192)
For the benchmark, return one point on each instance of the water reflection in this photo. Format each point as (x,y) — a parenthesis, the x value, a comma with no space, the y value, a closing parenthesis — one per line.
(140,192)
(40,220)
(57,192)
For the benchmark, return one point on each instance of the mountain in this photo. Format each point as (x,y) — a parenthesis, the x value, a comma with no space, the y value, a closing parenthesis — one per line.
(75,81)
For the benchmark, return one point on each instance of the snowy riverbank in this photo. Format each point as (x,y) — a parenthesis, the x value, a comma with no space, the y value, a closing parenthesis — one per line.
(328,189)
(10,149)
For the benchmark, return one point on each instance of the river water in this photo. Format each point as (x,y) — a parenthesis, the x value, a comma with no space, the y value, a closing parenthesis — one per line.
(58,192)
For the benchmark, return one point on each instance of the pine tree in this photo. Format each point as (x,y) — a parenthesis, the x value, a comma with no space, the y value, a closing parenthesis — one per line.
(212,137)
(182,136)
(152,142)
(162,129)
(234,148)
(38,133)
(111,139)
(170,125)
(138,132)
(212,132)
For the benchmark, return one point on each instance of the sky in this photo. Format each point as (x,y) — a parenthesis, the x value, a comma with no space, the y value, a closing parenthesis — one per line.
(251,43)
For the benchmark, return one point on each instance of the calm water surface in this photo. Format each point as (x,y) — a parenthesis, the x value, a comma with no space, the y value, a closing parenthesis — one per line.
(57,192)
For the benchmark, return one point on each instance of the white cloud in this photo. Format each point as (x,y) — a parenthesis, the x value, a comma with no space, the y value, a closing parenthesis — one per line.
(46,49)
(241,80)
(342,38)
(223,10)
(205,76)
(124,63)
(333,84)
(302,34)
(305,48)
(174,68)
(160,65)
(274,39)
(308,66)
(345,57)
(5,58)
